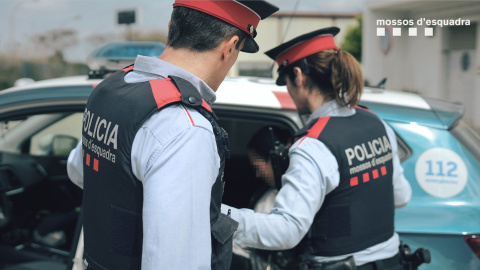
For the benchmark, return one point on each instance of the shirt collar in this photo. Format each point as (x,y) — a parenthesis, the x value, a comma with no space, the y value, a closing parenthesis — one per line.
(331,108)
(164,69)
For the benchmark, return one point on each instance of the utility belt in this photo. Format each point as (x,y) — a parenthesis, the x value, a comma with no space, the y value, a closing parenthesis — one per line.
(311,263)
(393,263)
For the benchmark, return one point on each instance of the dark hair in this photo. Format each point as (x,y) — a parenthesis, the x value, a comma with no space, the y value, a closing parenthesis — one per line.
(262,142)
(336,73)
(199,31)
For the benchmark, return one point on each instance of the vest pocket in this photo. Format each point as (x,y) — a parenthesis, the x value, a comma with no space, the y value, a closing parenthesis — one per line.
(125,232)
(222,232)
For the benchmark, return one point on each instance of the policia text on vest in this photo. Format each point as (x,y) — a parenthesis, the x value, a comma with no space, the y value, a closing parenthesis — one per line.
(378,147)
(101,135)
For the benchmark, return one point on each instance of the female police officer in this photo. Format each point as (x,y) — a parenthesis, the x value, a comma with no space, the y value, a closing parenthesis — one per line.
(344,180)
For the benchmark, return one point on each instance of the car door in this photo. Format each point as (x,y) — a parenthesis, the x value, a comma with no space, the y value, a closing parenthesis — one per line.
(42,204)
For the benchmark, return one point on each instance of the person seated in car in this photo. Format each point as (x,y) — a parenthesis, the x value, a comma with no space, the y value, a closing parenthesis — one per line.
(260,148)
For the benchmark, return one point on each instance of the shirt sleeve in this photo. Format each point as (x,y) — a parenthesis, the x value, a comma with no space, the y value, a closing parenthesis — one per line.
(75,165)
(297,202)
(402,192)
(177,178)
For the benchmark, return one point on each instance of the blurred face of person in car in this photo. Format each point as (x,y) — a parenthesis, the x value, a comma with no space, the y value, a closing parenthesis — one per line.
(263,168)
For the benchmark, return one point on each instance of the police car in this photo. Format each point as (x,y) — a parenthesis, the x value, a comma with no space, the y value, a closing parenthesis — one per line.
(40,209)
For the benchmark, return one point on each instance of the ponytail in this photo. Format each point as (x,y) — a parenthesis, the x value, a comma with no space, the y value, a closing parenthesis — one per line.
(336,73)
(347,78)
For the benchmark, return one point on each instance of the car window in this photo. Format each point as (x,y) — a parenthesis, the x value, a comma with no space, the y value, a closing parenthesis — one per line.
(58,138)
(6,126)
(468,137)
(16,133)
(241,184)
(404,151)
(127,51)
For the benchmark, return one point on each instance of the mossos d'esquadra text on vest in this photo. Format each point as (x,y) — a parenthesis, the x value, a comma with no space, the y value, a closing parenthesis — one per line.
(102,135)
(377,151)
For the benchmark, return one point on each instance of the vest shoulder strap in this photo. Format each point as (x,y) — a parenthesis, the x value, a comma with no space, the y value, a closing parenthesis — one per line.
(313,129)
(174,89)
(316,126)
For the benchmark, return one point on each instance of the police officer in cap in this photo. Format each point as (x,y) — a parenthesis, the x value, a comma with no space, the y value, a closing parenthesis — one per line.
(338,196)
(151,157)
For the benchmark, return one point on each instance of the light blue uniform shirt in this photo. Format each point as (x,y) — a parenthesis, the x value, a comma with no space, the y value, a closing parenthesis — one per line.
(311,175)
(174,155)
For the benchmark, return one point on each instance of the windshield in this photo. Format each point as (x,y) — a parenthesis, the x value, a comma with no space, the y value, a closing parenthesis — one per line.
(468,138)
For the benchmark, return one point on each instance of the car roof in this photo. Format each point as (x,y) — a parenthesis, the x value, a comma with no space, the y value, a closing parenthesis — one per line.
(56,82)
(263,92)
(249,90)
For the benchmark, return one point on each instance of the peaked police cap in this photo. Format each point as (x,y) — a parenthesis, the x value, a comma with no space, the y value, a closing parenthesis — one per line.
(300,47)
(242,14)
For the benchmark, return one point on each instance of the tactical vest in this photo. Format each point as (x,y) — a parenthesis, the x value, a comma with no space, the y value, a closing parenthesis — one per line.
(359,213)
(113,196)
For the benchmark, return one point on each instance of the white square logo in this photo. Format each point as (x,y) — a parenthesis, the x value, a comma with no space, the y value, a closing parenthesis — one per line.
(429,32)
(397,32)
(380,32)
(412,32)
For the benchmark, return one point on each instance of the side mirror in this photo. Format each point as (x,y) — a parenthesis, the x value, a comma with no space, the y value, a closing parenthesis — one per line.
(62,145)
(57,145)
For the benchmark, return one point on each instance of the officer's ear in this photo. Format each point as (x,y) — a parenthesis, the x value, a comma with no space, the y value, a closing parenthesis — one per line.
(229,46)
(300,77)
(169,22)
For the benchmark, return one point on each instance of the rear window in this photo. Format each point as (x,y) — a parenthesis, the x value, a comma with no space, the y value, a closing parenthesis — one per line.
(404,151)
(131,51)
(468,138)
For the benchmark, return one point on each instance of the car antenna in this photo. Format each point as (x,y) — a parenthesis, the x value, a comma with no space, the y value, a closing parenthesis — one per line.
(294,11)
(381,84)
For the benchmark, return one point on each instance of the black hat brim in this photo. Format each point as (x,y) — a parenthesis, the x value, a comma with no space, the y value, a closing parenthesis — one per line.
(250,45)
(281,80)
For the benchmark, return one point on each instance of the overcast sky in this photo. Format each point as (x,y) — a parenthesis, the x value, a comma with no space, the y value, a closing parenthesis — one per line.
(22,19)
